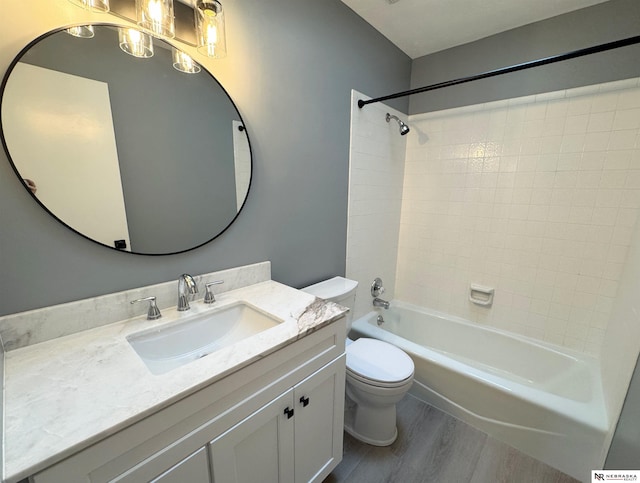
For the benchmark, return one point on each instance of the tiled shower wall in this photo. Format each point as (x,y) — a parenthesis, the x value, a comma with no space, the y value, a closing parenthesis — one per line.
(537,197)
(376,171)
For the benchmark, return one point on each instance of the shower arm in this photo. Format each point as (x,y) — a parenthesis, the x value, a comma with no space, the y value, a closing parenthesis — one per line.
(506,70)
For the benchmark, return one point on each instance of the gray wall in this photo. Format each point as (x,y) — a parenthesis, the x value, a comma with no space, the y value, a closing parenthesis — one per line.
(298,61)
(605,22)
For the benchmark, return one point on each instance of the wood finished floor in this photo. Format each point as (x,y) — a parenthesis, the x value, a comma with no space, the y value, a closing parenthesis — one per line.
(435,447)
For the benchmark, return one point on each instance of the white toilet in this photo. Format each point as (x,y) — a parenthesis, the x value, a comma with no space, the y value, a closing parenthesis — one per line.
(378,373)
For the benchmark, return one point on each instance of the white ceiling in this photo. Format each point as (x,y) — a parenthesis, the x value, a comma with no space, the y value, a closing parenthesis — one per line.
(420,27)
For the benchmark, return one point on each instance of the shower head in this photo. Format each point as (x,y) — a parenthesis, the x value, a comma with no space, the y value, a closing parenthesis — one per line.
(404,129)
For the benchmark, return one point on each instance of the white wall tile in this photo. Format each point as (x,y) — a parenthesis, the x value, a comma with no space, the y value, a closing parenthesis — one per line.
(537,196)
(624,139)
(629,99)
(576,124)
(540,197)
(601,121)
(376,177)
(597,141)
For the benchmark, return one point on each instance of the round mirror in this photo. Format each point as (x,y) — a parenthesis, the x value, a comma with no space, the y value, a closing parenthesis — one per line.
(127,151)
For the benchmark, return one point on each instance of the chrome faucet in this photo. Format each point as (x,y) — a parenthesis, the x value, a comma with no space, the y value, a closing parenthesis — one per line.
(380,303)
(378,289)
(186,283)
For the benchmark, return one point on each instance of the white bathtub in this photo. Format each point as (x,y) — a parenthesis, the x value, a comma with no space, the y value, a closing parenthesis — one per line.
(542,399)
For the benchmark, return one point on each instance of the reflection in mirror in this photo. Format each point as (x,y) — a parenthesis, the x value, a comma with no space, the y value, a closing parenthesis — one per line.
(128,152)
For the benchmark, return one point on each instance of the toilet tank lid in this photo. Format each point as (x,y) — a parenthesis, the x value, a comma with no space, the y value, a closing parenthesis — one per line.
(332,288)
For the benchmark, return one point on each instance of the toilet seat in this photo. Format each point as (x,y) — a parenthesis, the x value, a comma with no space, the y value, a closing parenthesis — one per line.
(378,363)
(353,378)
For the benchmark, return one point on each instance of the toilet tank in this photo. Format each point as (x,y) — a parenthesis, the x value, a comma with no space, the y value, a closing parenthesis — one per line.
(339,290)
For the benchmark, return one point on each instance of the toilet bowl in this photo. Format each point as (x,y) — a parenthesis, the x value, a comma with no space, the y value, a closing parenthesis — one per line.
(378,375)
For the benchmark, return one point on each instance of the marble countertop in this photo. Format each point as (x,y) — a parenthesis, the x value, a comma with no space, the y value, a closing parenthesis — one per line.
(64,394)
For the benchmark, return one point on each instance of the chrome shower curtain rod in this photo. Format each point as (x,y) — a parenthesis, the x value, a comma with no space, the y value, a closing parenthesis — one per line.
(514,68)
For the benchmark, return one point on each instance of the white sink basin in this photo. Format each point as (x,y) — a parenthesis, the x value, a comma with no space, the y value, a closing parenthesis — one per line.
(173,345)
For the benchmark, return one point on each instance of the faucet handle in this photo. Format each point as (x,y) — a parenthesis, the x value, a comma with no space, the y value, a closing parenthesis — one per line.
(154,312)
(377,288)
(209,297)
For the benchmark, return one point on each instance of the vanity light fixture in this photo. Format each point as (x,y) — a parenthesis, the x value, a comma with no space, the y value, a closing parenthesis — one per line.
(184,63)
(160,19)
(135,43)
(210,30)
(156,16)
(93,5)
(81,31)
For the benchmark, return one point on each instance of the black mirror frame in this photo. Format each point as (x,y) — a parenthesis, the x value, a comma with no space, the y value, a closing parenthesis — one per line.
(24,183)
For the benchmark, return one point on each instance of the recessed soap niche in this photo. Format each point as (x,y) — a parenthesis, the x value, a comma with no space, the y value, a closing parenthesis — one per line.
(481,295)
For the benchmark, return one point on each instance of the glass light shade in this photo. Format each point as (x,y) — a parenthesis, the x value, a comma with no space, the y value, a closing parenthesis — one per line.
(184,63)
(135,43)
(210,28)
(93,5)
(81,31)
(156,16)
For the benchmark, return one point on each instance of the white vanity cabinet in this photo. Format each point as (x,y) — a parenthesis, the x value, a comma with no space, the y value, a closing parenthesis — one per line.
(278,419)
(295,438)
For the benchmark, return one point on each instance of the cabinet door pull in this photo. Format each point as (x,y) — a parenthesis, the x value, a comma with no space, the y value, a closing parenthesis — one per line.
(288,412)
(304,401)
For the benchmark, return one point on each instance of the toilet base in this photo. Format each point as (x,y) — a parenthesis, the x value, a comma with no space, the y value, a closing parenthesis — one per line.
(374,426)
(349,429)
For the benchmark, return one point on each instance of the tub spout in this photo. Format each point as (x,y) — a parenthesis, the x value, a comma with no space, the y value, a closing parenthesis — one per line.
(380,303)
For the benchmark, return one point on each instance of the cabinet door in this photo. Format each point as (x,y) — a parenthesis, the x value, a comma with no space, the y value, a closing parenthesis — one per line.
(259,448)
(194,469)
(319,404)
